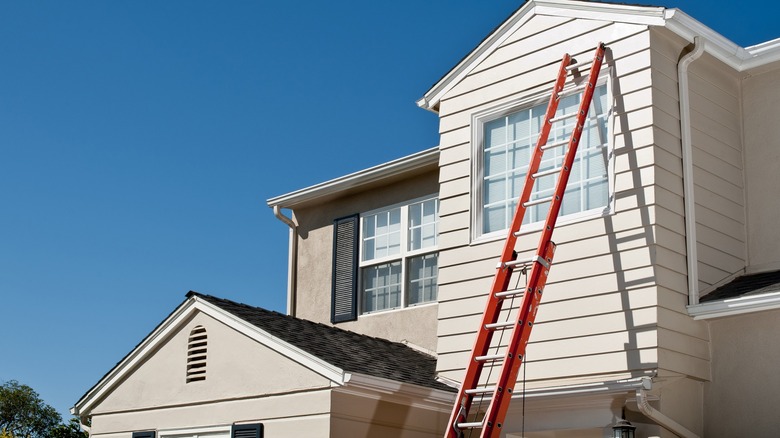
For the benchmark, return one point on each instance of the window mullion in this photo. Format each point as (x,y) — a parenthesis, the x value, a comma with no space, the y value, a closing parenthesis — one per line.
(404,251)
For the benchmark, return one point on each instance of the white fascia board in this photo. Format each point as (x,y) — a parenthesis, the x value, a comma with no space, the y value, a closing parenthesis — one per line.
(174,322)
(610,387)
(386,389)
(735,306)
(739,58)
(372,174)
(562,8)
(716,44)
(647,15)
(433,96)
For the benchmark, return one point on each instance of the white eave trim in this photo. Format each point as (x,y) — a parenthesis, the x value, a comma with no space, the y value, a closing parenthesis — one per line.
(405,164)
(174,322)
(735,306)
(720,47)
(378,387)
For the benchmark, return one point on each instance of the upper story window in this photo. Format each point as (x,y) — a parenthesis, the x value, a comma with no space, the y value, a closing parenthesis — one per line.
(506,139)
(398,257)
(385,259)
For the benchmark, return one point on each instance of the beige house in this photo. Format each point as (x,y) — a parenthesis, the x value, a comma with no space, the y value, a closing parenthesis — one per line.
(663,300)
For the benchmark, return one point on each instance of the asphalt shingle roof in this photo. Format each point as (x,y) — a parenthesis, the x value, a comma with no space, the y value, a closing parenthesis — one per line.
(352,352)
(746,285)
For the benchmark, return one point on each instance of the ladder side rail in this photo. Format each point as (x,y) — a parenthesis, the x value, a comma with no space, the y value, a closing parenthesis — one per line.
(571,151)
(538,278)
(503,275)
(515,353)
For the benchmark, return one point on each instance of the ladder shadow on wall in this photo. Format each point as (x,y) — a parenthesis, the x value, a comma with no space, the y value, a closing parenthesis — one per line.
(640,237)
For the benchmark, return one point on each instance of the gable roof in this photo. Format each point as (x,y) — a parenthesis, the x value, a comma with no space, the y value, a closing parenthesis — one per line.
(675,20)
(745,294)
(347,350)
(331,352)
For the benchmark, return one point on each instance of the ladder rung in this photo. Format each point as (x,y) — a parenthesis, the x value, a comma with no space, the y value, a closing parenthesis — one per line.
(487,390)
(544,173)
(571,90)
(510,293)
(571,67)
(474,425)
(499,325)
(563,117)
(537,201)
(516,263)
(555,145)
(489,357)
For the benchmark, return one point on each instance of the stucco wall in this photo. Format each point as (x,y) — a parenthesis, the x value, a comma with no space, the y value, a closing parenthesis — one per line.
(236,367)
(284,415)
(742,397)
(315,239)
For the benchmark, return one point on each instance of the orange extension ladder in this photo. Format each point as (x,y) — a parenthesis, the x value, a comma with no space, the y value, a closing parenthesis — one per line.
(537,268)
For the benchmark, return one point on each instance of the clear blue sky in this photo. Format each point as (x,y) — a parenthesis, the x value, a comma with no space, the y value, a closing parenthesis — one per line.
(139,142)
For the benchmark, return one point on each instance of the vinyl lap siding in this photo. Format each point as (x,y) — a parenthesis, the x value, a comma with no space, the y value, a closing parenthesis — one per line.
(598,316)
(716,134)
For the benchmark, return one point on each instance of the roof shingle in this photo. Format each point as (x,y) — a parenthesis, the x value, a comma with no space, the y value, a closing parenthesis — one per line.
(352,352)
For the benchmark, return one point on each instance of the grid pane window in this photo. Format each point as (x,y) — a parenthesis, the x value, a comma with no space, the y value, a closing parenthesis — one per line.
(399,262)
(422,278)
(382,234)
(382,287)
(508,142)
(423,217)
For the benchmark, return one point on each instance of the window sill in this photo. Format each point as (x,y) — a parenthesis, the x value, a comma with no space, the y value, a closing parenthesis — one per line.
(397,309)
(535,227)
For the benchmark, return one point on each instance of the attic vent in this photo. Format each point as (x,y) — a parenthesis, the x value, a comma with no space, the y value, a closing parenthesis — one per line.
(196,354)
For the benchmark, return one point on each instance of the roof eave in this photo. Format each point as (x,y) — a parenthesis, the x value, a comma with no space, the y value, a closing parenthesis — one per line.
(428,157)
(720,47)
(173,322)
(648,15)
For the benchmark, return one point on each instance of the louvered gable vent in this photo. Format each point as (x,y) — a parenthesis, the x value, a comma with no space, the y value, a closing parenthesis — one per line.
(345,260)
(196,354)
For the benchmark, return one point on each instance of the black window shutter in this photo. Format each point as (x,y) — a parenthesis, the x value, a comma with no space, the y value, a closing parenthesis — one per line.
(145,434)
(247,431)
(345,274)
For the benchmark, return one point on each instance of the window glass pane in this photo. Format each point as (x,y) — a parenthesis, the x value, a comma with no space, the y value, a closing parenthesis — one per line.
(423,272)
(381,287)
(381,234)
(505,168)
(423,217)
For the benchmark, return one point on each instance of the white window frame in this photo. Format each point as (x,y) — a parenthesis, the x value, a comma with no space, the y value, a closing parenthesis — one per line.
(478,122)
(404,256)
(196,432)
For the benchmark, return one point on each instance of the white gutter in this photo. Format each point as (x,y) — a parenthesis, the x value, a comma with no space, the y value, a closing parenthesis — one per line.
(687,162)
(653,414)
(735,306)
(292,262)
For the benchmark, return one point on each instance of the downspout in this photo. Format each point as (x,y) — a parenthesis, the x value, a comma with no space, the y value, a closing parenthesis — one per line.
(653,414)
(687,162)
(84,427)
(292,262)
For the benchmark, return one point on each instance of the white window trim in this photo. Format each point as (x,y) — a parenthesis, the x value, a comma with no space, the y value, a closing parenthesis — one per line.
(206,432)
(403,256)
(478,121)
